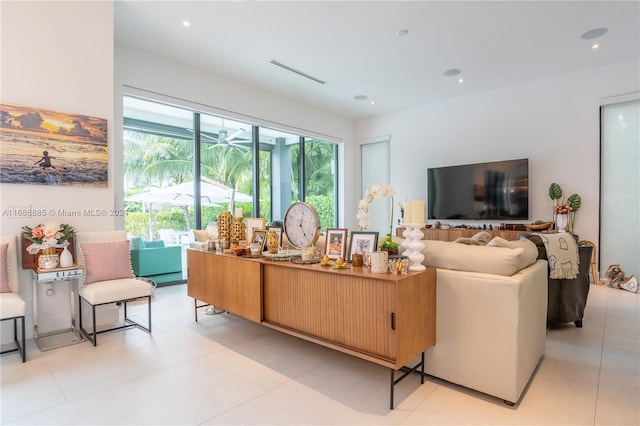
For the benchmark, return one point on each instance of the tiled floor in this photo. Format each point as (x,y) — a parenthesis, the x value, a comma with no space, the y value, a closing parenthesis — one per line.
(225,370)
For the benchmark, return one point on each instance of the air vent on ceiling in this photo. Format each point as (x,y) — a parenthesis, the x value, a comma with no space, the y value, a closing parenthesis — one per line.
(303,74)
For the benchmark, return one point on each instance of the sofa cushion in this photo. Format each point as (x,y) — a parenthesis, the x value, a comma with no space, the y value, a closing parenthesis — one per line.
(530,254)
(461,257)
(105,261)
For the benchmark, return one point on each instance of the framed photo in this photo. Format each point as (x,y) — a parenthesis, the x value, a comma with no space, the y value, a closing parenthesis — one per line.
(335,245)
(278,231)
(260,237)
(254,223)
(362,243)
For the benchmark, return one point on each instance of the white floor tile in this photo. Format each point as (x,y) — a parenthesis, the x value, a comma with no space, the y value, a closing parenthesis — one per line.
(226,370)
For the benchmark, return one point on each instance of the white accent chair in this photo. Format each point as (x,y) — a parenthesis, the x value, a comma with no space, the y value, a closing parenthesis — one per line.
(118,290)
(12,306)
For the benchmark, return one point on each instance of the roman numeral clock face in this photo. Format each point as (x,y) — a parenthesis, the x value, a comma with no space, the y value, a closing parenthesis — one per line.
(302,224)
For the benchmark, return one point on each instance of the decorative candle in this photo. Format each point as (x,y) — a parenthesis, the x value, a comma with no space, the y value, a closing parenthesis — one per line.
(238,212)
(417,211)
(407,212)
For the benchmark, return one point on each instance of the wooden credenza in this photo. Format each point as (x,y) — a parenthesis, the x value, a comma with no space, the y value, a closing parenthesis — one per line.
(383,318)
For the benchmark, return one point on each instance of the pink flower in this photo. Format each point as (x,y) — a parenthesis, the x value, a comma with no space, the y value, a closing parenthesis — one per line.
(564,208)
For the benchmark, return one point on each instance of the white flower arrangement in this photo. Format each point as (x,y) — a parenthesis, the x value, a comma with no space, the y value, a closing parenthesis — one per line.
(376,192)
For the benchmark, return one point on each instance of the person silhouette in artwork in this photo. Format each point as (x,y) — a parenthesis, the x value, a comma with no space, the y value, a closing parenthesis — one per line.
(45,161)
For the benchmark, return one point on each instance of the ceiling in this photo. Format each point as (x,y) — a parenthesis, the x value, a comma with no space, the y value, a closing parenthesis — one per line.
(355,46)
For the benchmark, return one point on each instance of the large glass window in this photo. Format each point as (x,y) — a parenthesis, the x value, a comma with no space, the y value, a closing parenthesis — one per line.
(184,167)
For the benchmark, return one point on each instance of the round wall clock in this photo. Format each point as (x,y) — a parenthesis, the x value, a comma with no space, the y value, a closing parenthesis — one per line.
(302,224)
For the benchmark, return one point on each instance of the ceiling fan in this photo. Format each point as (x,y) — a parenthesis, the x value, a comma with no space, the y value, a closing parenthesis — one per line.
(224,139)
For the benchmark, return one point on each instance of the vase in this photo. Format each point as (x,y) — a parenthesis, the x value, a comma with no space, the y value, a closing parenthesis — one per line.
(561,222)
(48,261)
(66,259)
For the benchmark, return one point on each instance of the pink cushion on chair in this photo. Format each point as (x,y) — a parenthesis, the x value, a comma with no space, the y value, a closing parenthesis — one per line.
(109,260)
(4,271)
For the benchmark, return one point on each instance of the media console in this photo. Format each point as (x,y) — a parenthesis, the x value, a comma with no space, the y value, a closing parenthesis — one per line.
(453,233)
(382,318)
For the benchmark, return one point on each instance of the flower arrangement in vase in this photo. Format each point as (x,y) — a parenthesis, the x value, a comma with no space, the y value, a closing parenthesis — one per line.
(561,207)
(46,239)
(376,192)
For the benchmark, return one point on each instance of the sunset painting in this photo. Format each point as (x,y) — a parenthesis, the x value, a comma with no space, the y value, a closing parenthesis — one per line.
(39,146)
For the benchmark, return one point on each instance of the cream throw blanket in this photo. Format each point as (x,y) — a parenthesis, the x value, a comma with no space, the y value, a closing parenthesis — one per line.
(562,254)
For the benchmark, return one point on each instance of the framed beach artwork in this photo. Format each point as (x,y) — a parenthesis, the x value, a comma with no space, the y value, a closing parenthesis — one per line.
(40,146)
(362,243)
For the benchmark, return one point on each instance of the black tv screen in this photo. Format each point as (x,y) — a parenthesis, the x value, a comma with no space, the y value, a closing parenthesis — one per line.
(486,191)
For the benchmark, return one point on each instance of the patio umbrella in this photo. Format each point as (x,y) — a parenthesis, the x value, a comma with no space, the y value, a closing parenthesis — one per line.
(211,193)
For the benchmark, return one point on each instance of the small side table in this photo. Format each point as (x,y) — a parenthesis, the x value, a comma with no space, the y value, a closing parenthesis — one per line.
(58,338)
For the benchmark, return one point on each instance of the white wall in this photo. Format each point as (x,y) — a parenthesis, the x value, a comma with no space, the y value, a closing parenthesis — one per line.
(58,56)
(554,123)
(141,70)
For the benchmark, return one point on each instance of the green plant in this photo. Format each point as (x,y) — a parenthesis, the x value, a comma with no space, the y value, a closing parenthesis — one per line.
(555,192)
(389,244)
(575,202)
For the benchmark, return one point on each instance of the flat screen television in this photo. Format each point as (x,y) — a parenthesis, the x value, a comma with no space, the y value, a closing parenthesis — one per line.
(485,191)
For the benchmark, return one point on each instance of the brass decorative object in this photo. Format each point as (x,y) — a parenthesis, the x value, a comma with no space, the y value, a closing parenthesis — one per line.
(237,230)
(224,226)
(272,242)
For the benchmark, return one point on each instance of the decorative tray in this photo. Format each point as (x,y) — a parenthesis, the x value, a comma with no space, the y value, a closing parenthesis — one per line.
(304,262)
(252,255)
(345,266)
(538,226)
(282,256)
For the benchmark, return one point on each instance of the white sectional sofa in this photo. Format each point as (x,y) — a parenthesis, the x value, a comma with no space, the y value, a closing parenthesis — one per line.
(490,315)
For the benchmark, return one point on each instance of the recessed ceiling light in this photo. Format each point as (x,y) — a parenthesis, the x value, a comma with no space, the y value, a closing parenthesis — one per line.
(452,72)
(595,46)
(360,97)
(186,23)
(460,80)
(594,33)
(372,102)
(403,33)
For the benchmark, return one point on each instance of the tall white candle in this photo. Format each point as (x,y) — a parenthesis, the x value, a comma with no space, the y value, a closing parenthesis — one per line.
(238,212)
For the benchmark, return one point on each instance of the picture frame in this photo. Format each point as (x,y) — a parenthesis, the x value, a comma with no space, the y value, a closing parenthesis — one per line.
(259,236)
(335,244)
(253,223)
(362,242)
(278,231)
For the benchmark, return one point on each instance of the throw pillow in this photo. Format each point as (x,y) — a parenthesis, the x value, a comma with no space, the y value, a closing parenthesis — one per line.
(483,237)
(530,250)
(103,261)
(468,241)
(479,239)
(4,269)
(201,236)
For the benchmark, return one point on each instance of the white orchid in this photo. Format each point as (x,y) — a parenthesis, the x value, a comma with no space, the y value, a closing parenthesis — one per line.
(377,191)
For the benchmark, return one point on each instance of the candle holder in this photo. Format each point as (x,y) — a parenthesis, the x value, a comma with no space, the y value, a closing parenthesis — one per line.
(414,245)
